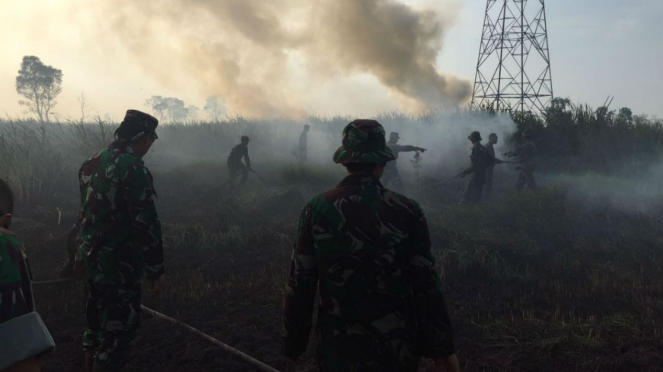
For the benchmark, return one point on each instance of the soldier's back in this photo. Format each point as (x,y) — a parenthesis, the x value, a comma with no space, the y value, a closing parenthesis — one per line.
(364,239)
(237,152)
(106,220)
(491,150)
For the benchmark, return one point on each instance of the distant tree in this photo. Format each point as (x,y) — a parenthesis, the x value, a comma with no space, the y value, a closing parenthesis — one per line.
(194,111)
(169,108)
(604,115)
(215,106)
(158,105)
(39,84)
(625,116)
(176,109)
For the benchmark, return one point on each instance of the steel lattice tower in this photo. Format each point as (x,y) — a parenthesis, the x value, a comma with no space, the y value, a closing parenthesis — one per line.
(513,70)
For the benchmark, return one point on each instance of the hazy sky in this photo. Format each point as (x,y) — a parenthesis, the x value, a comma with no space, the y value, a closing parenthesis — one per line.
(598,48)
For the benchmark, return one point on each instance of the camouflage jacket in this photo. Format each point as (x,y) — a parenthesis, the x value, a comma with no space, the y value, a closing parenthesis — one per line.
(120,228)
(381,305)
(15,290)
(480,160)
(237,153)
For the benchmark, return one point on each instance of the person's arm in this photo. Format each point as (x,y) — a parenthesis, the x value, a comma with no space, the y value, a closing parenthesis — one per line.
(139,194)
(434,333)
(300,291)
(514,153)
(409,148)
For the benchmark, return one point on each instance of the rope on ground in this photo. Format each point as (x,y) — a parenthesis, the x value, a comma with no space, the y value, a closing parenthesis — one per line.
(247,358)
(47,282)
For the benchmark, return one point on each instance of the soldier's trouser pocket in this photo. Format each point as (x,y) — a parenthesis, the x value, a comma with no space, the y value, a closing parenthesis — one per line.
(113,317)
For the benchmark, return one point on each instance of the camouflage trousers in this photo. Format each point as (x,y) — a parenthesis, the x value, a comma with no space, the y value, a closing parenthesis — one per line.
(488,187)
(525,177)
(473,191)
(113,317)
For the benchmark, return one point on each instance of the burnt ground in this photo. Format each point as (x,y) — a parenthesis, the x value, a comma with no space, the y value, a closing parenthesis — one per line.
(534,282)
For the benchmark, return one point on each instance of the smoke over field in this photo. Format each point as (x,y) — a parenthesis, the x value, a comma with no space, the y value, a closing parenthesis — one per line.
(231,48)
(565,279)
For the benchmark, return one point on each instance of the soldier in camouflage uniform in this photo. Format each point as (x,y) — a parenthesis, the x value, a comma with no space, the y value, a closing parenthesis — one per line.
(235,165)
(391,176)
(368,251)
(23,335)
(120,241)
(480,161)
(526,155)
(492,140)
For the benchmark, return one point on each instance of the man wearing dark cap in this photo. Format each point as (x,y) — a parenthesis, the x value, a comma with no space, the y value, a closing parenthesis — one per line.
(391,176)
(235,165)
(120,241)
(480,160)
(526,155)
(368,251)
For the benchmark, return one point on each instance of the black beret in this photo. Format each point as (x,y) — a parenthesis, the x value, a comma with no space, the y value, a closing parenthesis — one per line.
(137,124)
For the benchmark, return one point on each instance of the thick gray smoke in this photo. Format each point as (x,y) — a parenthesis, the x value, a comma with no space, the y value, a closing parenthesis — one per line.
(266,57)
(641,194)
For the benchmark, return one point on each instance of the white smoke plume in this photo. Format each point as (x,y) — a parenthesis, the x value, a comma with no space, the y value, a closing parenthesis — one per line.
(265,57)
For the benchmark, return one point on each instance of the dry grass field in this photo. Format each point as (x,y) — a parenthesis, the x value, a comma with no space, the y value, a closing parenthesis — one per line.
(534,282)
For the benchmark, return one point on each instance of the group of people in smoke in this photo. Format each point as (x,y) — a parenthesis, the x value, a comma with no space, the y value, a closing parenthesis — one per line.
(481,170)
(364,248)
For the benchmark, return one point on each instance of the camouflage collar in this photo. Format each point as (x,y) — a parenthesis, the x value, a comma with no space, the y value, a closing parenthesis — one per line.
(122,147)
(360,179)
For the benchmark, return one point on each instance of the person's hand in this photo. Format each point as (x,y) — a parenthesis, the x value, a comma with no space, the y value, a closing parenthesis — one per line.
(448,364)
(154,286)
(421,149)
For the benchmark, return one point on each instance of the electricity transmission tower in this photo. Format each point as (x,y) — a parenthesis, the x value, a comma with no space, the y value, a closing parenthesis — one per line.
(513,70)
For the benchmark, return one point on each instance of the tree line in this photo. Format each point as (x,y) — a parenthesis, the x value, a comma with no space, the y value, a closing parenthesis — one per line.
(40,84)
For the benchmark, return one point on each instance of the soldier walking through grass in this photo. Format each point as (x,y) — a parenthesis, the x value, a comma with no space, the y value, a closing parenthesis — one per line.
(235,165)
(368,251)
(492,141)
(392,177)
(302,148)
(526,155)
(121,241)
(480,159)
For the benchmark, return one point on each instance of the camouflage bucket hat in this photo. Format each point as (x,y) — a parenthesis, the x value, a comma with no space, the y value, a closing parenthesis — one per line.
(363,142)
